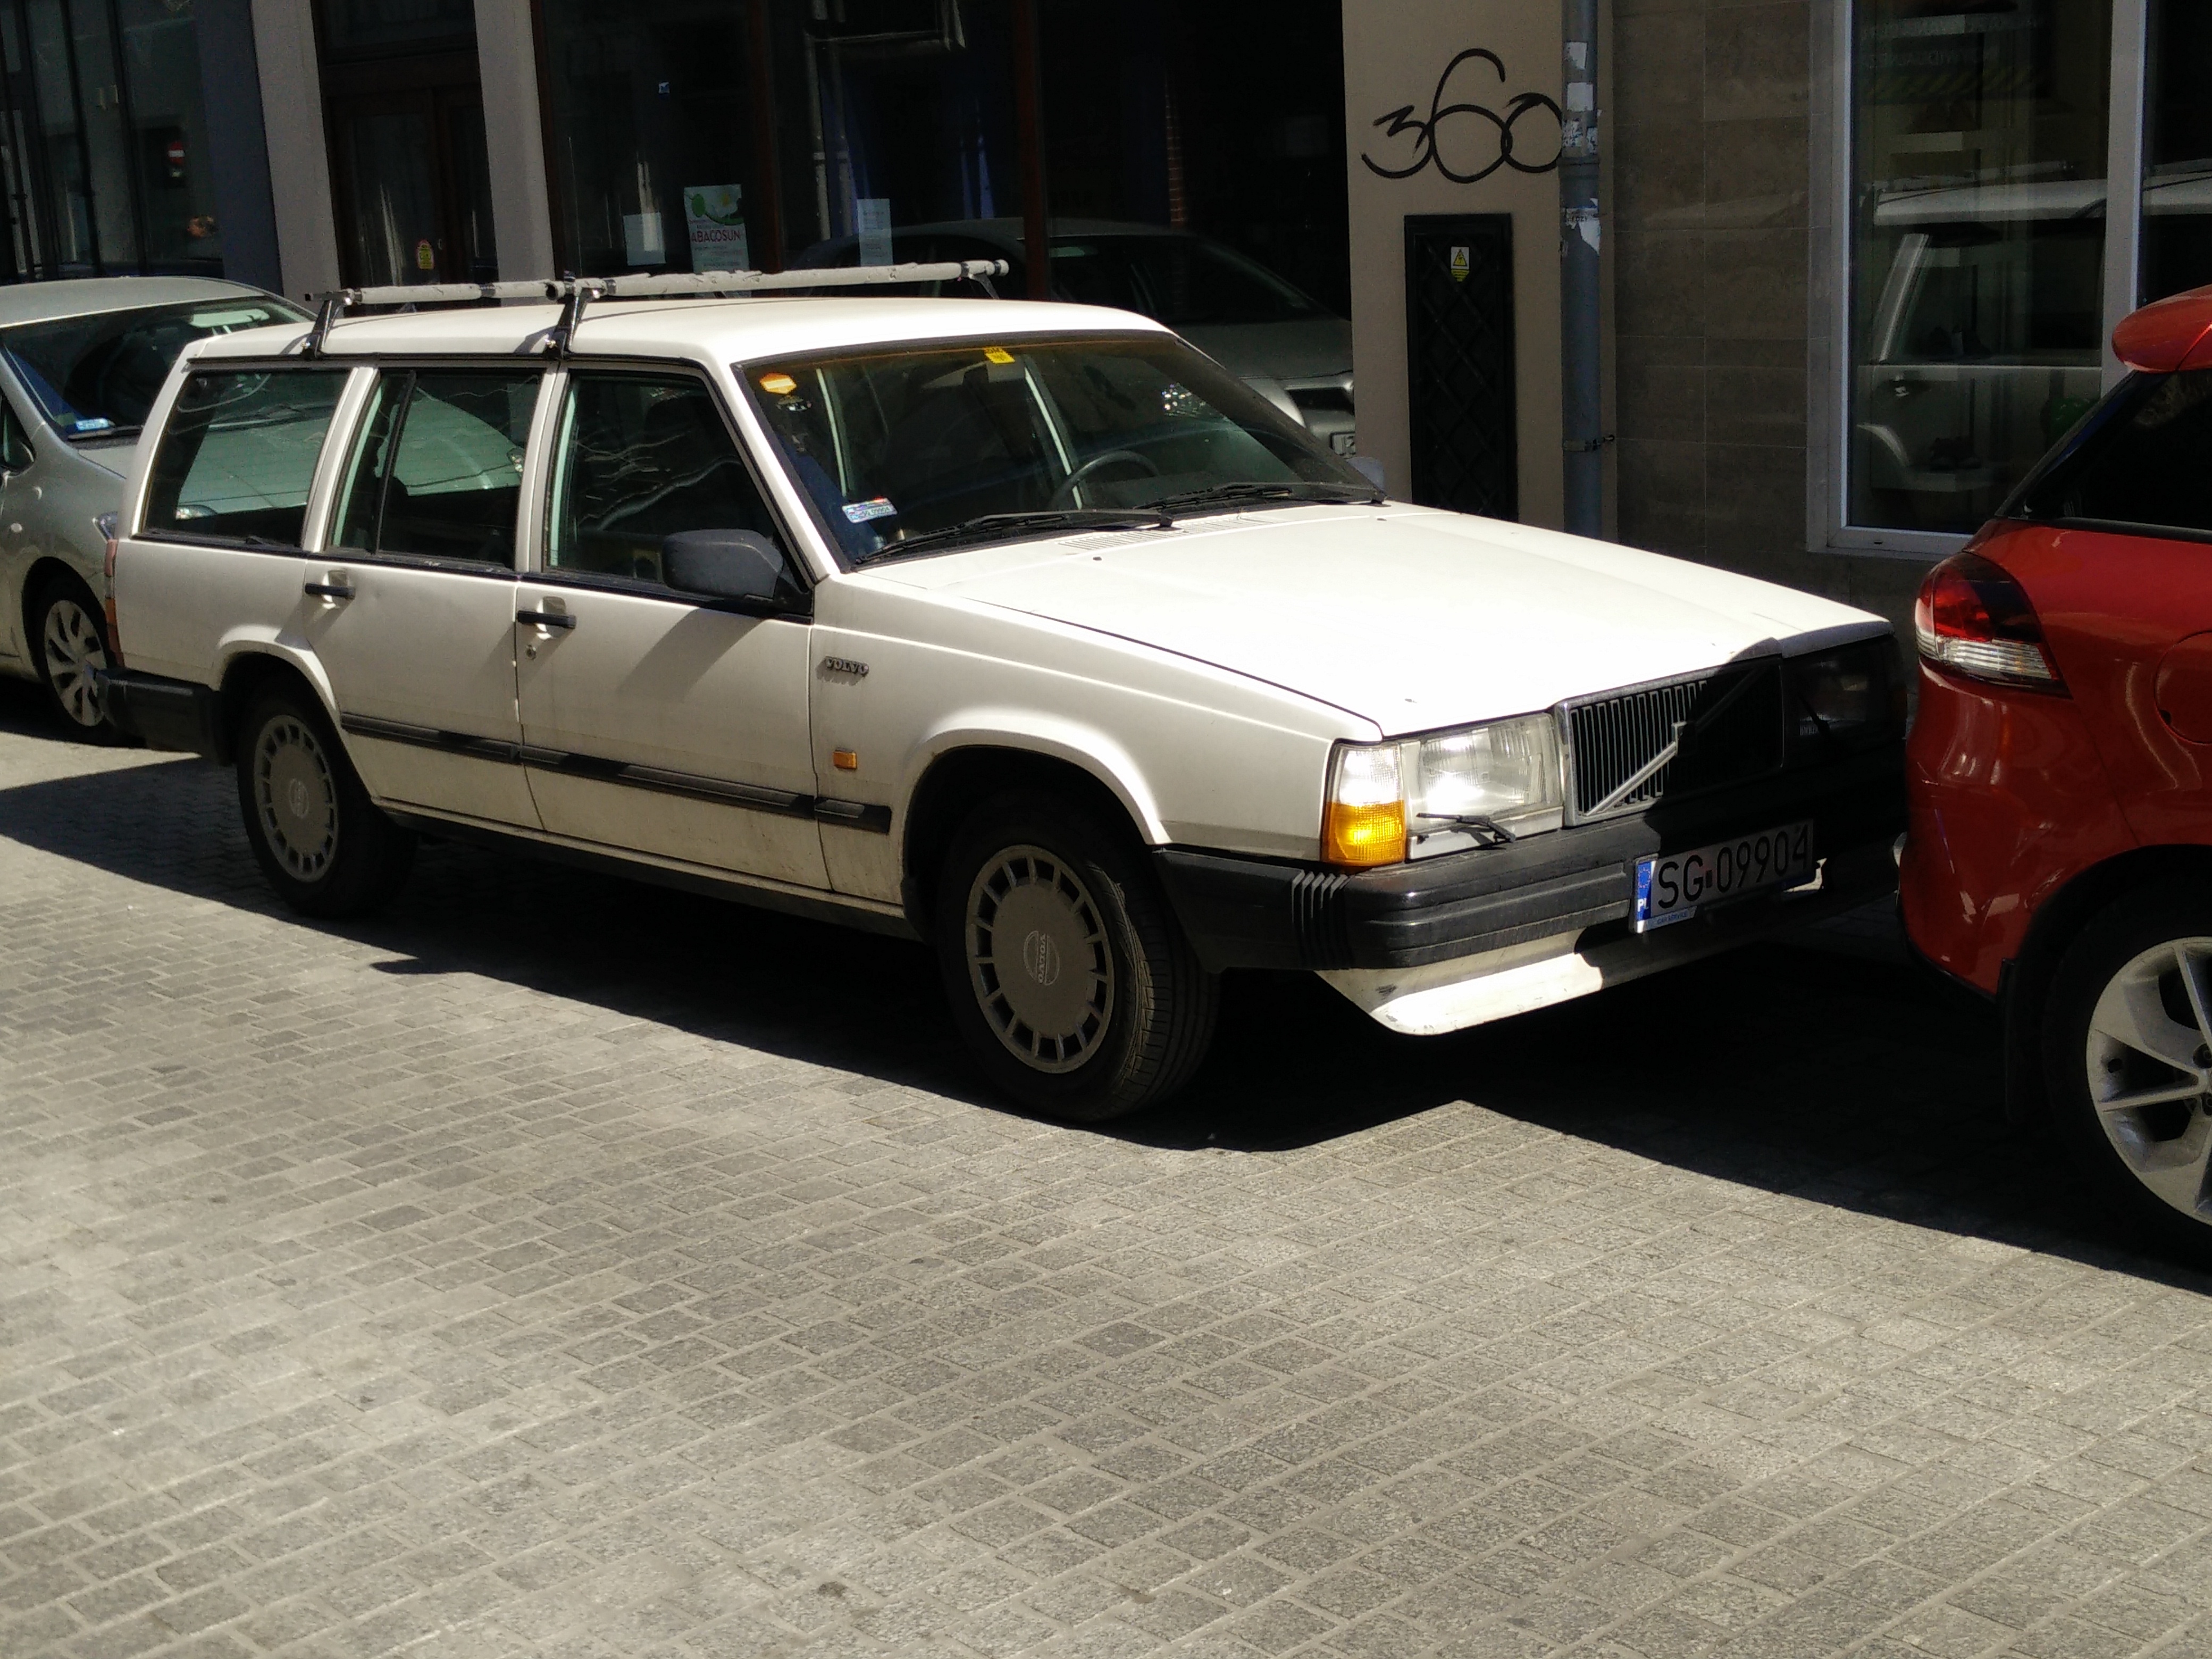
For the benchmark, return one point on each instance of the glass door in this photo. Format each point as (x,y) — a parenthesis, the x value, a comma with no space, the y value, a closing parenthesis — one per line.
(414,187)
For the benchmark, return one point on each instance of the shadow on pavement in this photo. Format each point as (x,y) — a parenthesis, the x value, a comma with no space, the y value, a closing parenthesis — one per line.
(1866,1085)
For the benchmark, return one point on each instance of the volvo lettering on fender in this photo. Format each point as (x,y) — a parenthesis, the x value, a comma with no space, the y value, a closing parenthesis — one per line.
(1674,886)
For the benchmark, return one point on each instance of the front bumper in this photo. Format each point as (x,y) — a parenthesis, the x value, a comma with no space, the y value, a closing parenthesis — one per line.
(1578,883)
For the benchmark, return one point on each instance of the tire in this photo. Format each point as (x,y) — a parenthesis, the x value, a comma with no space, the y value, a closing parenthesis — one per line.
(2122,1024)
(69,642)
(1107,1010)
(322,842)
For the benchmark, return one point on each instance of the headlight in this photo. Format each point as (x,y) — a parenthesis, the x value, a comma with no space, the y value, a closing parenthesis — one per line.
(1852,697)
(1471,787)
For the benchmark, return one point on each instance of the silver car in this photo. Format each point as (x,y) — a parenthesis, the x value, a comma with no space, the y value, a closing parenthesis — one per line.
(81,363)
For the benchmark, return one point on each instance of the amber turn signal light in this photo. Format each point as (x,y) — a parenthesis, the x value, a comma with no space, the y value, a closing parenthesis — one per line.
(1364,836)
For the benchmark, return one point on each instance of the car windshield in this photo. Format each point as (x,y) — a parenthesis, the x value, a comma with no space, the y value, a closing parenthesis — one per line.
(943,444)
(1183,281)
(97,376)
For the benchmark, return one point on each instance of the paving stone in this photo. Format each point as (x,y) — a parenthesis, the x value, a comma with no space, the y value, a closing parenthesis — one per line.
(641,1276)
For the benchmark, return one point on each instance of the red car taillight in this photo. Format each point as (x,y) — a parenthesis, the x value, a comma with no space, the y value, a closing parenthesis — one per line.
(1974,620)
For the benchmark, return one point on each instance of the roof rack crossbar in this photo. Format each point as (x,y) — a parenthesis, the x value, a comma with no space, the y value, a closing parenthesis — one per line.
(706,284)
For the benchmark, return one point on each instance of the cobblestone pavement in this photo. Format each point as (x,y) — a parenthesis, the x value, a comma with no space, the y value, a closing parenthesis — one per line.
(558,1267)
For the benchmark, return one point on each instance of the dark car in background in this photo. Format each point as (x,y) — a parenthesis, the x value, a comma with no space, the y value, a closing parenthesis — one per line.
(1280,340)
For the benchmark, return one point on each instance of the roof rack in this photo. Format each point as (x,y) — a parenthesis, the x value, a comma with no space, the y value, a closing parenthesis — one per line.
(575,292)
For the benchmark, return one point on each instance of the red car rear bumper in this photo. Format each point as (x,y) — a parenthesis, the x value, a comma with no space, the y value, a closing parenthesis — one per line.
(2006,802)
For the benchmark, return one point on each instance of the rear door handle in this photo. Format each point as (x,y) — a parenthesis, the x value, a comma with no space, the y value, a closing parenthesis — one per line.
(546,618)
(328,590)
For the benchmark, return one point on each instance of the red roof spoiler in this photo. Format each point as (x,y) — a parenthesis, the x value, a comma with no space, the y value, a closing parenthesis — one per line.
(2169,334)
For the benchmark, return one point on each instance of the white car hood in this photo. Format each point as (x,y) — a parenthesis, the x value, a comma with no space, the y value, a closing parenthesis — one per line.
(1408,616)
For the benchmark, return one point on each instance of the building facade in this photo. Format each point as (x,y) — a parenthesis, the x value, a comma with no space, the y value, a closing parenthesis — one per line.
(1860,257)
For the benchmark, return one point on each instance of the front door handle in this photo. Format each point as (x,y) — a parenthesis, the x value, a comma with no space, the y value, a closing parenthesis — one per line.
(546,618)
(328,590)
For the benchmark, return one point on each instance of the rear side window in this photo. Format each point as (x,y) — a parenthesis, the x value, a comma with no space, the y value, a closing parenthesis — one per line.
(437,473)
(2147,464)
(238,454)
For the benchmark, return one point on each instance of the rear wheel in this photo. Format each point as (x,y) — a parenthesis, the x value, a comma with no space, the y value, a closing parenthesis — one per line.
(69,635)
(322,842)
(2128,1055)
(1068,975)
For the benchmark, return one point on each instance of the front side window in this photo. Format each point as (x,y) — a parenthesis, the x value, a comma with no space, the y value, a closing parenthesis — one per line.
(1979,141)
(2143,463)
(97,376)
(640,459)
(238,454)
(897,443)
(437,470)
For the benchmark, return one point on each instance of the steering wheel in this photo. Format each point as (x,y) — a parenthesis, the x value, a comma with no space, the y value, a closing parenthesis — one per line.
(1065,495)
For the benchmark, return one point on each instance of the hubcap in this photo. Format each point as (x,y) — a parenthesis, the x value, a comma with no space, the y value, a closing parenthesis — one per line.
(74,649)
(1038,959)
(2150,1069)
(296,797)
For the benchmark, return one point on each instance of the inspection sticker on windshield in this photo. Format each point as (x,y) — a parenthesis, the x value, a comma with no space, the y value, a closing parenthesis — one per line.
(997,354)
(1674,886)
(861,512)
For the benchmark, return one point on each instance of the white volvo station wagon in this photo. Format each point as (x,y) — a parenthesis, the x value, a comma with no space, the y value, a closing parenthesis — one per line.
(1025,630)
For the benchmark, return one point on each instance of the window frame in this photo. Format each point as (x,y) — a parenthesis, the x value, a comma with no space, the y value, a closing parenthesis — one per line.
(1829,345)
(551,409)
(156,430)
(336,473)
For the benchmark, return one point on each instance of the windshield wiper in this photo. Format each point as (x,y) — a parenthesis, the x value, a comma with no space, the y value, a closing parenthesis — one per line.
(1487,832)
(1234,494)
(993,525)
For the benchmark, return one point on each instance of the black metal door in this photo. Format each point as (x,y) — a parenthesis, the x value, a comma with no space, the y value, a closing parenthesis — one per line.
(1459,359)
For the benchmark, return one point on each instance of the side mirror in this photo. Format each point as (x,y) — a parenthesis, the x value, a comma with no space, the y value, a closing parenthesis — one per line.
(721,564)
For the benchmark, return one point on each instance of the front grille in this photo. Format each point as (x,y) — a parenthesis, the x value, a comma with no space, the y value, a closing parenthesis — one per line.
(1731,720)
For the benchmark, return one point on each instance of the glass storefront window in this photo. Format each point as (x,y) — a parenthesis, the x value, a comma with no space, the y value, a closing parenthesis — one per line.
(647,111)
(1979,141)
(2177,201)
(379,26)
(162,68)
(107,160)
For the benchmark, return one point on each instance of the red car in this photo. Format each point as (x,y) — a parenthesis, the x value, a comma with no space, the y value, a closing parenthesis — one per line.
(2059,854)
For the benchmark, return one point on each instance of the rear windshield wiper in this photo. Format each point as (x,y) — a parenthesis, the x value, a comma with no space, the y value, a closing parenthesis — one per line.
(1234,494)
(991,526)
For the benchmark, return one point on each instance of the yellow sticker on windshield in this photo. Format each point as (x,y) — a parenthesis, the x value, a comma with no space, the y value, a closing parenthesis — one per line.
(997,354)
(778,385)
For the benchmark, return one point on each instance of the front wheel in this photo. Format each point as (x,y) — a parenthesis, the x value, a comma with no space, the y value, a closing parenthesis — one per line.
(1068,976)
(2127,1054)
(71,643)
(322,842)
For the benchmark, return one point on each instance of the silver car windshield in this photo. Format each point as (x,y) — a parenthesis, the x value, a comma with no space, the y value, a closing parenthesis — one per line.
(97,376)
(914,449)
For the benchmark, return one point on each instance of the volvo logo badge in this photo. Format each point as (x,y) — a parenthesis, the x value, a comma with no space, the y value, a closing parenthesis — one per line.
(296,798)
(1041,956)
(858,670)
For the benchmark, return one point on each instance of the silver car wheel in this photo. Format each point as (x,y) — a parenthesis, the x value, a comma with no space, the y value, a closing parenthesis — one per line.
(1039,960)
(2150,1069)
(74,650)
(296,797)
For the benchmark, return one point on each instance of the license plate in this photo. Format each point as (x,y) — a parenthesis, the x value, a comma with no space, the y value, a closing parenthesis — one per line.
(1674,886)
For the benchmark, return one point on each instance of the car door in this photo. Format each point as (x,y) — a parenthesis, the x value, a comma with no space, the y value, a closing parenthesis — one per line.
(414,594)
(2118,565)
(657,719)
